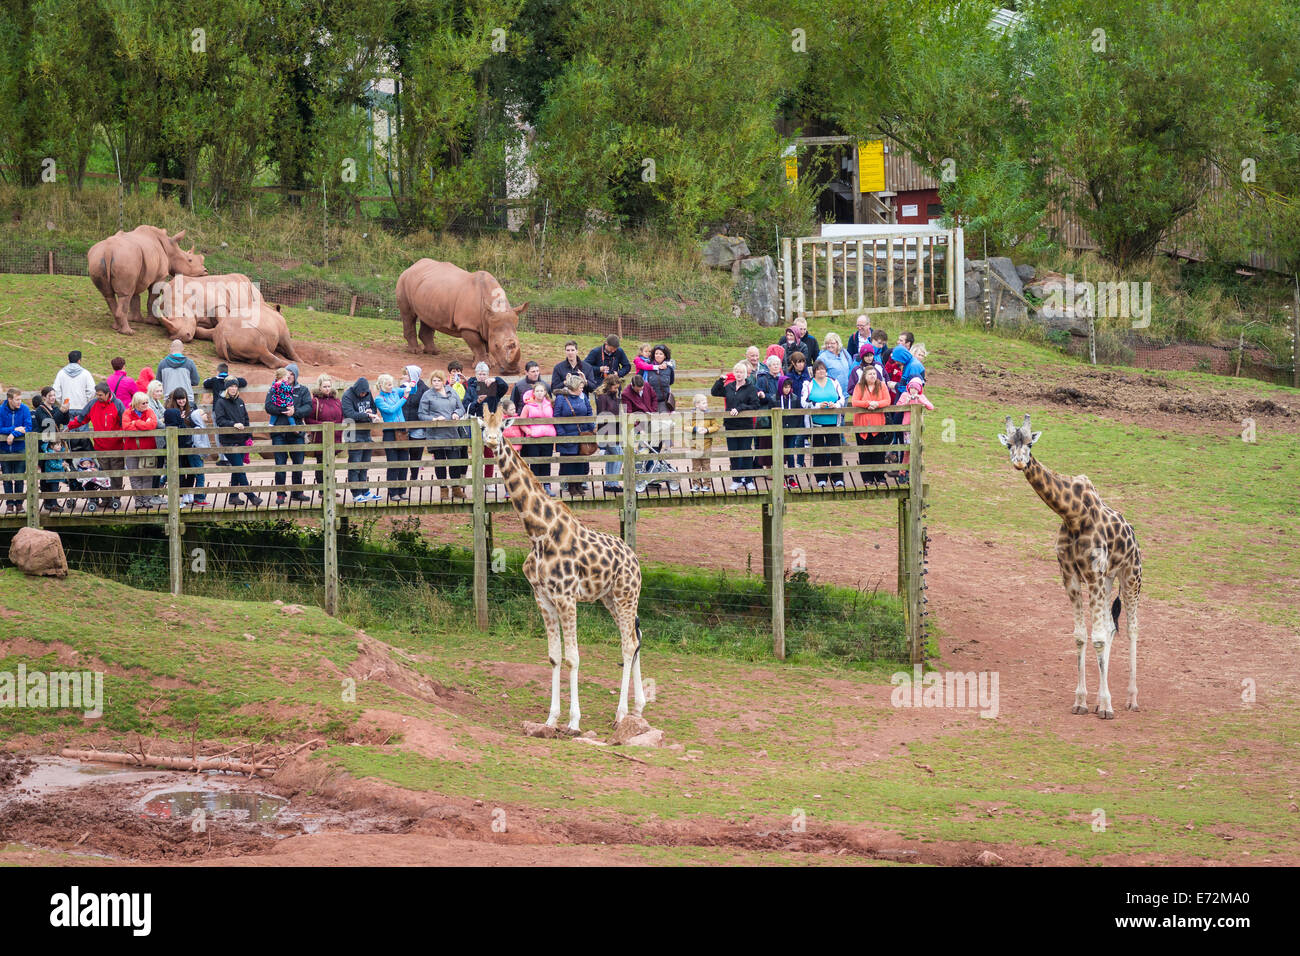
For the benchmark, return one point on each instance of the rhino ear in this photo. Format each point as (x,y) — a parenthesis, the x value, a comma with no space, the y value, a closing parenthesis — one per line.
(521,310)
(179,236)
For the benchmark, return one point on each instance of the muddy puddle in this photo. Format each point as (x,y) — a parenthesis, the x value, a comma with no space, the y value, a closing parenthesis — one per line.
(129,813)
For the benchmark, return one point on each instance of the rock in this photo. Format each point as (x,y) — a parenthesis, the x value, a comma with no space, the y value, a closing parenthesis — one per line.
(1004,268)
(651,738)
(758,290)
(721,251)
(291,609)
(588,740)
(629,727)
(1026,272)
(974,288)
(39,553)
(538,730)
(988,858)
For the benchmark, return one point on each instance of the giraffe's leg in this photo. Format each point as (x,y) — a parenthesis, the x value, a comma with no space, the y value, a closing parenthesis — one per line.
(1130,593)
(624,612)
(1103,634)
(1077,598)
(568,610)
(637,687)
(551,617)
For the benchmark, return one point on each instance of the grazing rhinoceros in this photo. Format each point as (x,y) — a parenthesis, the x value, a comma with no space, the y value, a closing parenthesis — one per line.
(129,263)
(189,307)
(441,297)
(253,338)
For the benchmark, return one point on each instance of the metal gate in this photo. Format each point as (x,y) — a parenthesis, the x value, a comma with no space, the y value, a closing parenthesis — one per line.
(877,269)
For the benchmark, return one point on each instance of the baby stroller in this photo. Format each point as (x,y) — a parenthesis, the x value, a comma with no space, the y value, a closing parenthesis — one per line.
(89,481)
(657,467)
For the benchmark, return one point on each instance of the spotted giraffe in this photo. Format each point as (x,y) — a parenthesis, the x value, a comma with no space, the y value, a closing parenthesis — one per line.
(569,563)
(1096,548)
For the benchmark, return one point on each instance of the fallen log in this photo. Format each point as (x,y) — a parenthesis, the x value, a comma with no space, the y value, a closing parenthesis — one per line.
(172,763)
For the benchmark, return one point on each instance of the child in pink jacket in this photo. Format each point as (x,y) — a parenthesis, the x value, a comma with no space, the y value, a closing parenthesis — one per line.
(537,405)
(912,396)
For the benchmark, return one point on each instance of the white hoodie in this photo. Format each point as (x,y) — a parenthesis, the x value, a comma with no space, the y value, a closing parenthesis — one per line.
(75,384)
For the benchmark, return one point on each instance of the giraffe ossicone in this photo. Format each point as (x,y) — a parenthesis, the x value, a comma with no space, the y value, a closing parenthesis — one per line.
(1098,553)
(568,563)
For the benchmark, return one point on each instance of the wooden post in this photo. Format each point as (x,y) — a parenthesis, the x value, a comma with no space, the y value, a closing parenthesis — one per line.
(915,491)
(889,269)
(329,520)
(628,525)
(788,297)
(1295,331)
(51,262)
(767,544)
(858,271)
(902,548)
(32,470)
(776,537)
(352,309)
(830,276)
(175,545)
(799,303)
(479,489)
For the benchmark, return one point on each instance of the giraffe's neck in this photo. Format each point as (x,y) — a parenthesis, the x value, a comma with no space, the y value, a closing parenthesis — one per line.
(528,495)
(1051,487)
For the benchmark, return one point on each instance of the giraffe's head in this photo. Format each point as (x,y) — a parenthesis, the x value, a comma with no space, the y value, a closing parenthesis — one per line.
(492,428)
(1019,440)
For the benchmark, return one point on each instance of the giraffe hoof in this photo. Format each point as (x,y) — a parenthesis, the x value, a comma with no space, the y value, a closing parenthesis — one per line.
(1106,714)
(1133,707)
(1076,709)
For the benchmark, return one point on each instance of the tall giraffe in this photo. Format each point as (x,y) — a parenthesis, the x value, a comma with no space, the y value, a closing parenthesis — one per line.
(569,563)
(1095,548)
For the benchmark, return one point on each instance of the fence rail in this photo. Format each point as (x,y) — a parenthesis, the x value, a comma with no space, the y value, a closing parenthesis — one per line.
(782,472)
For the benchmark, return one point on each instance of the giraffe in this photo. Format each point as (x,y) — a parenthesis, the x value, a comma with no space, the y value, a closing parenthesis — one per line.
(569,563)
(1096,548)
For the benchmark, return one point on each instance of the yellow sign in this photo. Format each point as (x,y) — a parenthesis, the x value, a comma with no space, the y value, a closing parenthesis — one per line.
(792,171)
(871,166)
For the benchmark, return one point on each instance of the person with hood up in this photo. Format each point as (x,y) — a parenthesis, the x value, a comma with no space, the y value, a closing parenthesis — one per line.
(909,366)
(74,383)
(105,415)
(325,407)
(288,403)
(415,389)
(359,409)
(911,396)
(789,392)
(866,359)
(140,417)
(15,424)
(176,371)
(229,411)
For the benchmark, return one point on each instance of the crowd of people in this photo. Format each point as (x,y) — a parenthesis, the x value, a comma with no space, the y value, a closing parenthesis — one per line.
(808,385)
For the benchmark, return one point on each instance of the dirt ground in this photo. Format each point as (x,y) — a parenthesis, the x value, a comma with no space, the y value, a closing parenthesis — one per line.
(1000,610)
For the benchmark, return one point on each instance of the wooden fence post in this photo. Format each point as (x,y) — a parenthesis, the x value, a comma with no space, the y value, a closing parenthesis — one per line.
(479,488)
(902,549)
(329,520)
(629,478)
(175,546)
(775,527)
(32,471)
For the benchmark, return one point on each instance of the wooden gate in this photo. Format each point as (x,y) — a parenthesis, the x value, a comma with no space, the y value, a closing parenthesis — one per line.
(885,269)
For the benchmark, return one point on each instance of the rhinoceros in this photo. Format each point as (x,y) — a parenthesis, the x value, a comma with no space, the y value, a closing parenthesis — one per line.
(442,297)
(128,263)
(253,338)
(188,307)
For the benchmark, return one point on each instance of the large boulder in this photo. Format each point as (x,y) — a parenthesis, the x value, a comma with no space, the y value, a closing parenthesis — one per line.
(1025,271)
(721,251)
(1004,268)
(38,552)
(759,291)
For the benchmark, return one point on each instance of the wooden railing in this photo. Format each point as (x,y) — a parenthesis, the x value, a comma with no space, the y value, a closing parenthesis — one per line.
(325,497)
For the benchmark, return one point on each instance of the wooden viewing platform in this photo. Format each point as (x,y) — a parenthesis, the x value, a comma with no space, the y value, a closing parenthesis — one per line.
(776,486)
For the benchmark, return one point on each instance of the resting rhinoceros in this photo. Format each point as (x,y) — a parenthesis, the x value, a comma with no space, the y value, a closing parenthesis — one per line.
(253,338)
(189,307)
(442,297)
(129,263)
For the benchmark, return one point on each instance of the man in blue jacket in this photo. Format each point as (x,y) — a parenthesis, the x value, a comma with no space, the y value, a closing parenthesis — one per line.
(15,423)
(609,359)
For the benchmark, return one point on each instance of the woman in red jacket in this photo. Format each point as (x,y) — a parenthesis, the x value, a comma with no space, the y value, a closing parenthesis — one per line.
(325,407)
(140,417)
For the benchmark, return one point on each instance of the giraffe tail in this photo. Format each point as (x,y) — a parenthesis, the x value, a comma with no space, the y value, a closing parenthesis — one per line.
(1114,613)
(638,637)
